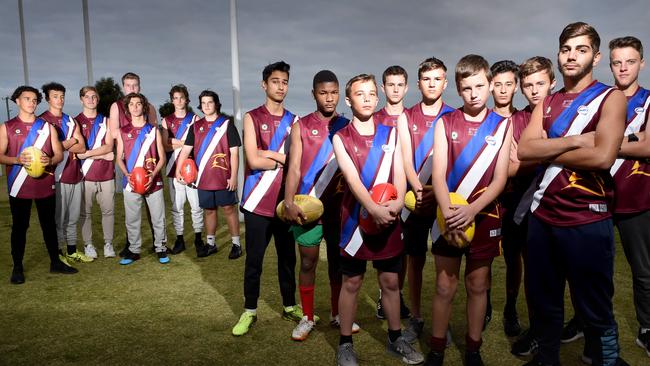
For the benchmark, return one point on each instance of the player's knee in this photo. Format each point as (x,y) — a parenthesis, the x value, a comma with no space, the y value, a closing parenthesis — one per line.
(352,284)
(307,264)
(446,288)
(476,285)
(228,210)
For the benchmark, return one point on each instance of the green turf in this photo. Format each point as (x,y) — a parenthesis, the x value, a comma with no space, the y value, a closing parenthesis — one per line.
(182,312)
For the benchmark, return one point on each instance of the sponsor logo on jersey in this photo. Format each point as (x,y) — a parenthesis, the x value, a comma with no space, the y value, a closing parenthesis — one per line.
(583,109)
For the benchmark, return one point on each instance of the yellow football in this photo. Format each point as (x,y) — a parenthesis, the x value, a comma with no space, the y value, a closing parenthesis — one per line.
(409,199)
(456,199)
(35,168)
(311,206)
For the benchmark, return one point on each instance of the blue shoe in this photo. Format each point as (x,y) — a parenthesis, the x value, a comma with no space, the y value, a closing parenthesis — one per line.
(129,258)
(163,258)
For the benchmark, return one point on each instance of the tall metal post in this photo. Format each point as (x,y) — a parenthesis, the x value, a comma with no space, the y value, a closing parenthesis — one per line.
(89,60)
(22,40)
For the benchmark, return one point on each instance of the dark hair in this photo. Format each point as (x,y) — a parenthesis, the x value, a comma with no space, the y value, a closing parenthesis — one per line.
(471,65)
(394,70)
(130,75)
(179,88)
(26,88)
(578,29)
(534,65)
(429,64)
(628,41)
(47,88)
(86,89)
(215,98)
(276,66)
(324,76)
(143,100)
(360,77)
(501,67)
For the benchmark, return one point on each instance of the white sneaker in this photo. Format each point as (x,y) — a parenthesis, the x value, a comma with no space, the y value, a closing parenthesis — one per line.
(109,252)
(302,330)
(335,322)
(90,252)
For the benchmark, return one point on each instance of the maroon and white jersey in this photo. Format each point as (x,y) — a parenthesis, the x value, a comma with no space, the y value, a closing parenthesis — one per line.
(517,185)
(387,244)
(69,169)
(20,184)
(129,135)
(262,189)
(173,125)
(632,176)
(125,120)
(472,152)
(385,119)
(95,170)
(566,196)
(214,165)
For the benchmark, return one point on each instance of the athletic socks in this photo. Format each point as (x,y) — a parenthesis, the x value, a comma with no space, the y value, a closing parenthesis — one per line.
(307,300)
(335,289)
(235,240)
(345,339)
(252,311)
(394,334)
(472,345)
(438,344)
(210,239)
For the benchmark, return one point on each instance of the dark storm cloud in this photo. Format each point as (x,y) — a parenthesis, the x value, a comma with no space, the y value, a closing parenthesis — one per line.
(189,41)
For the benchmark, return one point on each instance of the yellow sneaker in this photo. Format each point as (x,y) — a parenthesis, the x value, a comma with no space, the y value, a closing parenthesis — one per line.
(64,259)
(243,325)
(79,257)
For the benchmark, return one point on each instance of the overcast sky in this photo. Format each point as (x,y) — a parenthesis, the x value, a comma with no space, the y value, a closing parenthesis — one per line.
(169,42)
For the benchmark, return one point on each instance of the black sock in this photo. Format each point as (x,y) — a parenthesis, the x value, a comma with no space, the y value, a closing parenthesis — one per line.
(345,339)
(394,334)
(179,237)
(72,249)
(510,309)
(197,236)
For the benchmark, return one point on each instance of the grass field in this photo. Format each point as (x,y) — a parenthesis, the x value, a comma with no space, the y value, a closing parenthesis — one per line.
(182,313)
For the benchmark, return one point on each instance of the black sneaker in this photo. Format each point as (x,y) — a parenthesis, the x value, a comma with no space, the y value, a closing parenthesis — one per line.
(473,358)
(62,268)
(511,325)
(179,245)
(434,359)
(207,251)
(643,340)
(17,276)
(129,257)
(380,309)
(235,252)
(125,250)
(404,311)
(539,363)
(526,345)
(198,242)
(572,331)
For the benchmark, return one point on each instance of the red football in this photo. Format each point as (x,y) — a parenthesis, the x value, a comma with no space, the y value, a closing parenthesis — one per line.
(188,171)
(139,180)
(380,194)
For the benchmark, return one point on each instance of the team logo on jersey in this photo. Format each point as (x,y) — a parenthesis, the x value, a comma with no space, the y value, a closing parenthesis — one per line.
(129,135)
(83,126)
(201,129)
(264,127)
(314,132)
(415,128)
(583,109)
(639,110)
(454,135)
(490,140)
(548,110)
(18,131)
(387,148)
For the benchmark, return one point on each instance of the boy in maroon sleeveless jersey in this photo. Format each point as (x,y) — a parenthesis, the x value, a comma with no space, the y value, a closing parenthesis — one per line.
(214,143)
(470,158)
(394,85)
(139,145)
(67,175)
(312,156)
(578,132)
(98,168)
(266,130)
(415,127)
(369,154)
(537,80)
(175,129)
(631,173)
(16,135)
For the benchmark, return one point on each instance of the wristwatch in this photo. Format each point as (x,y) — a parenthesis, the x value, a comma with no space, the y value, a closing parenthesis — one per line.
(632,138)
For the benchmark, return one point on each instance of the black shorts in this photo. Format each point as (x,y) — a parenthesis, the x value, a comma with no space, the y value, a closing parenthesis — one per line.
(352,267)
(214,199)
(416,232)
(514,236)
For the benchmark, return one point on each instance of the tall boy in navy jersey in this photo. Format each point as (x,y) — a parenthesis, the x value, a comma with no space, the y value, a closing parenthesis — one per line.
(631,173)
(578,131)
(416,128)
(470,157)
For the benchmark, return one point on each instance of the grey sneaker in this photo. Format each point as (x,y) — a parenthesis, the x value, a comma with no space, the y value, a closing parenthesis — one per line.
(345,355)
(403,349)
(413,330)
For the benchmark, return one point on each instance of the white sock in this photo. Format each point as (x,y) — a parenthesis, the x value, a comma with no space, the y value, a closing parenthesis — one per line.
(210,240)
(235,240)
(254,311)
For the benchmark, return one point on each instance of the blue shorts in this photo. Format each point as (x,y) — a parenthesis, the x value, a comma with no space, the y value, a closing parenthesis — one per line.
(214,199)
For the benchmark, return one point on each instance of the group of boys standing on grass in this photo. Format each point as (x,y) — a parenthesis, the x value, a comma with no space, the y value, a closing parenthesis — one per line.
(545,183)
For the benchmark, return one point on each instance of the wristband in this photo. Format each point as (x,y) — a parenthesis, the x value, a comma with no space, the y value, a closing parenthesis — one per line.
(276,165)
